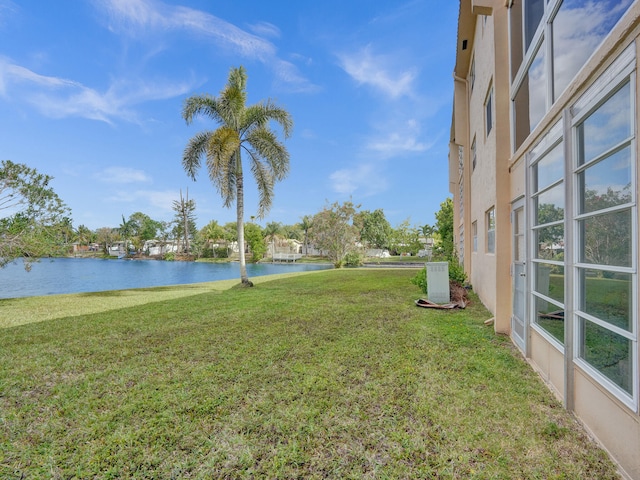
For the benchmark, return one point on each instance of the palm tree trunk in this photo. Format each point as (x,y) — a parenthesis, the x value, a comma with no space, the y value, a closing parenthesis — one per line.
(244,279)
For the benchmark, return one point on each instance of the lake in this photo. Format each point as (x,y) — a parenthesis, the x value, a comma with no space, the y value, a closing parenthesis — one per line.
(75,275)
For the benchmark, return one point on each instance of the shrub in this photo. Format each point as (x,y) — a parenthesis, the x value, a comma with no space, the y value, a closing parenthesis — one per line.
(354,259)
(170,256)
(420,280)
(456,272)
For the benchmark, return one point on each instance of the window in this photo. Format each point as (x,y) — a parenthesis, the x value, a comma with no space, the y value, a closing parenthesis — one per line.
(547,234)
(473,154)
(551,40)
(604,262)
(472,73)
(491,230)
(533,12)
(488,108)
(573,43)
(474,230)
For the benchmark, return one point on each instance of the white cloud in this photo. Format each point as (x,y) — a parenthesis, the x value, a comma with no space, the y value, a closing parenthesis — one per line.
(130,16)
(123,175)
(377,72)
(7,9)
(392,139)
(365,178)
(265,29)
(57,97)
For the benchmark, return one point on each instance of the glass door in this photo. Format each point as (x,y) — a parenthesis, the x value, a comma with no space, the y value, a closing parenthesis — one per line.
(518,273)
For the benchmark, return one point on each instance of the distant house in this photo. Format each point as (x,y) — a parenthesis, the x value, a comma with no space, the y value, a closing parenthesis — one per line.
(543,168)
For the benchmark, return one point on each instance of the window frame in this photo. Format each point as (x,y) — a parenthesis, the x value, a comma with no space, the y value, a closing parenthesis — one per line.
(551,140)
(620,74)
(474,231)
(474,153)
(472,73)
(490,219)
(542,39)
(489,111)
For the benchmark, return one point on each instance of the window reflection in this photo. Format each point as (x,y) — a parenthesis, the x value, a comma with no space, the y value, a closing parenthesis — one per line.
(537,89)
(550,317)
(549,281)
(607,183)
(578,29)
(606,127)
(550,205)
(608,352)
(533,11)
(606,239)
(550,242)
(607,295)
(549,169)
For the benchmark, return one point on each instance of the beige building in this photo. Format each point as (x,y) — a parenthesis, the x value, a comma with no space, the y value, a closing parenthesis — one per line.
(543,170)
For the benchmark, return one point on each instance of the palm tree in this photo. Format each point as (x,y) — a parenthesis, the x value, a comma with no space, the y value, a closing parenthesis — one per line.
(241,127)
(305,225)
(125,229)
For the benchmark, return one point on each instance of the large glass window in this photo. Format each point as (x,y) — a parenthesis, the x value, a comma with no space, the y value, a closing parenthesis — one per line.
(550,41)
(547,235)
(604,259)
(578,28)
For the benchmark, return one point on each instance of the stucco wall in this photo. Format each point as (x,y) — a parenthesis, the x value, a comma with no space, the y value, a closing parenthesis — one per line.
(483,178)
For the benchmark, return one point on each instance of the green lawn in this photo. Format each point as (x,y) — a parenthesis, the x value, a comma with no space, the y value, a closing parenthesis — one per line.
(335,374)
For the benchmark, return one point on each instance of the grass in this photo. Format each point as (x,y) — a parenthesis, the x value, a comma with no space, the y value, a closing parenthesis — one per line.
(334,374)
(398,259)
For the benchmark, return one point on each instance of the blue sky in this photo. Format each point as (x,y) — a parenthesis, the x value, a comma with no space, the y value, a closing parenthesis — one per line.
(91,93)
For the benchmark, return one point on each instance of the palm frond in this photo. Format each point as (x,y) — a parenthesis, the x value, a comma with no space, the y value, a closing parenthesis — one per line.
(233,98)
(221,162)
(196,148)
(264,181)
(204,105)
(266,146)
(260,114)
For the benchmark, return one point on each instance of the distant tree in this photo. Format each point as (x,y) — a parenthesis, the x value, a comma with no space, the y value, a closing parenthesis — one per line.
(212,234)
(143,228)
(32,215)
(185,221)
(241,128)
(334,232)
(375,230)
(272,232)
(293,232)
(164,235)
(84,235)
(66,231)
(305,225)
(444,228)
(105,236)
(254,236)
(405,239)
(126,231)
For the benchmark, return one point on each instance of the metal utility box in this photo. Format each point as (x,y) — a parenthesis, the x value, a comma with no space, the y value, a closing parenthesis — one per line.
(438,282)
